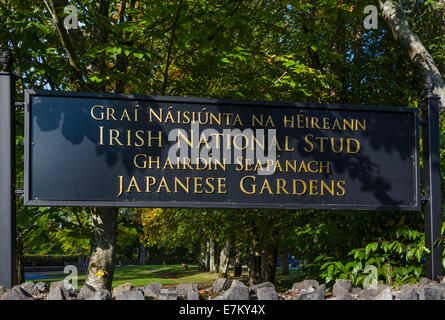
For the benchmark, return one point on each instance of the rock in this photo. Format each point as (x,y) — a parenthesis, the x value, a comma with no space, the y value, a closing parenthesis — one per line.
(86,292)
(168,294)
(305,286)
(314,294)
(356,291)
(425,281)
(164,294)
(442,289)
(408,292)
(267,293)
(69,290)
(56,293)
(220,284)
(101,294)
(342,293)
(382,292)
(130,295)
(385,294)
(267,284)
(42,287)
(192,294)
(237,291)
(341,286)
(29,289)
(66,289)
(20,292)
(430,292)
(3,290)
(309,290)
(182,289)
(156,287)
(369,294)
(120,288)
(152,290)
(342,289)
(15,295)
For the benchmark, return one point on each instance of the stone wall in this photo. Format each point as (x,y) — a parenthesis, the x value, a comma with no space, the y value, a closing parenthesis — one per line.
(225,289)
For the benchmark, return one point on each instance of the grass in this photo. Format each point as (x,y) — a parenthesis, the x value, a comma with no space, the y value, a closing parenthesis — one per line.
(143,275)
(175,274)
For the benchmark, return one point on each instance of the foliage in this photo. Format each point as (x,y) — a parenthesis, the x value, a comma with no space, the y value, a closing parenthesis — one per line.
(397,261)
(308,51)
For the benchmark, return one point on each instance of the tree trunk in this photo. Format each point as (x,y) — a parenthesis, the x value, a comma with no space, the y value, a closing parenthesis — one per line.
(81,262)
(395,18)
(224,258)
(141,253)
(19,263)
(284,263)
(212,256)
(204,257)
(101,266)
(270,267)
(263,265)
(254,267)
(254,261)
(238,270)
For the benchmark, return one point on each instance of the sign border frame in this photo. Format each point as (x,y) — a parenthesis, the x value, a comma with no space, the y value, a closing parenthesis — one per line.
(212,101)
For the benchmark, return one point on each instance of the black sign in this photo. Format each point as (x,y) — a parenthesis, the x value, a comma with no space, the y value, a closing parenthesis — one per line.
(90,149)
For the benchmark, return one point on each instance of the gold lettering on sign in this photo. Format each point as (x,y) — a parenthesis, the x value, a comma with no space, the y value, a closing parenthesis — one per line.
(188,185)
(296,187)
(320,136)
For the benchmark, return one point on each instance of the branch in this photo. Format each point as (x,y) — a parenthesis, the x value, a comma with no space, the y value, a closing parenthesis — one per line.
(395,18)
(76,213)
(66,43)
(170,46)
(122,59)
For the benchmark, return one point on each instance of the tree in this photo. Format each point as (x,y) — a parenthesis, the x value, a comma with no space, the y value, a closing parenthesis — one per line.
(308,51)
(395,17)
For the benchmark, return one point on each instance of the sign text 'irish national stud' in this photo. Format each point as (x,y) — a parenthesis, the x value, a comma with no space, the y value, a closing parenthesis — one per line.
(125,150)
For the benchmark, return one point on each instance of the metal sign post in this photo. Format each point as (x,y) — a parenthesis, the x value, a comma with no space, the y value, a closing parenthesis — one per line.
(8,273)
(431,162)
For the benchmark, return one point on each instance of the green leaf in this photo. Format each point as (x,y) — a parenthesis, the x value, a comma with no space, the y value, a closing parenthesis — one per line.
(419,254)
(368,248)
(330,269)
(114,51)
(96,79)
